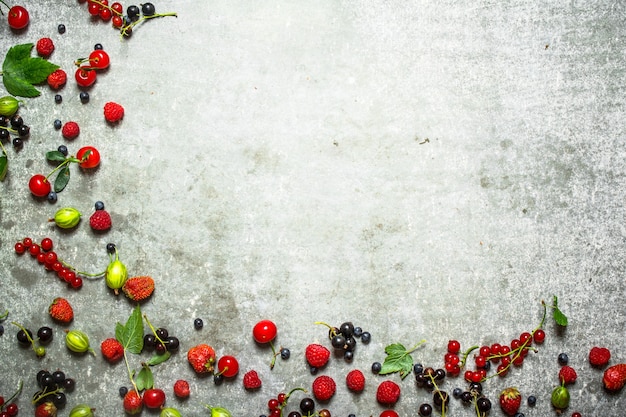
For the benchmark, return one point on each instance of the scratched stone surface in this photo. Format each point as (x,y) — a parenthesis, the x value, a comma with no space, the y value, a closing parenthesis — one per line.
(427,170)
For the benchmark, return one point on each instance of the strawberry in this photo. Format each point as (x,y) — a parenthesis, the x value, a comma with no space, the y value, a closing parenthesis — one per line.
(567,375)
(251,380)
(388,393)
(201,358)
(61,310)
(44,47)
(138,288)
(317,355)
(112,350)
(113,112)
(181,389)
(599,356)
(47,409)
(510,401)
(615,377)
(57,79)
(133,403)
(323,388)
(70,130)
(100,220)
(355,380)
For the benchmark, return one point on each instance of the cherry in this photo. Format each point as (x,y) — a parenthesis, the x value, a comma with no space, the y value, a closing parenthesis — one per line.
(85,77)
(18,17)
(228,366)
(12,409)
(99,59)
(154,398)
(39,185)
(89,156)
(264,331)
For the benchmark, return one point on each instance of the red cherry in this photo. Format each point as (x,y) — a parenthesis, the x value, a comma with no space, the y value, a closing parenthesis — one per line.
(89,160)
(154,398)
(264,331)
(39,185)
(99,59)
(18,17)
(85,77)
(228,366)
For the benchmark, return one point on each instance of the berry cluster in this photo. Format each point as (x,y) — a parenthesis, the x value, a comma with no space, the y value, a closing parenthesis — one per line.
(53,387)
(15,126)
(344,338)
(86,73)
(277,406)
(124,22)
(25,338)
(47,257)
(160,341)
(8,407)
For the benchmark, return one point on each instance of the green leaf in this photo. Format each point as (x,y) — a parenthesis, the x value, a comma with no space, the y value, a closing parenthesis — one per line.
(63,177)
(157,359)
(398,360)
(130,335)
(559,317)
(20,71)
(4,165)
(55,156)
(145,379)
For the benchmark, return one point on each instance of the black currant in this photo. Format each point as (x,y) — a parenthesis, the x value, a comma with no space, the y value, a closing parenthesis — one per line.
(24,337)
(59,399)
(132,12)
(425,410)
(198,324)
(111,248)
(357,332)
(172,343)
(58,98)
(483,404)
(46,381)
(466,397)
(98,47)
(418,368)
(366,337)
(149,341)
(218,379)
(440,374)
(307,405)
(563,359)
(532,400)
(285,353)
(313,370)
(44,334)
(18,143)
(4,134)
(58,377)
(346,329)
(162,333)
(1,329)
(68,384)
(441,399)
(456,393)
(40,375)
(123,391)
(52,197)
(294,414)
(4,121)
(348,355)
(84,97)
(338,341)
(23,131)
(350,343)
(476,387)
(148,9)
(16,121)
(376,367)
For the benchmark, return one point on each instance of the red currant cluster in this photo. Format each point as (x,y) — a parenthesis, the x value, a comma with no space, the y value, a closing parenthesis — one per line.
(86,73)
(48,258)
(114,13)
(278,405)
(8,408)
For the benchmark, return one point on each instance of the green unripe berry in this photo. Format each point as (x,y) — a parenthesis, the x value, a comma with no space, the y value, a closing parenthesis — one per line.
(8,106)
(67,217)
(116,275)
(77,341)
(40,351)
(560,397)
(81,410)
(169,412)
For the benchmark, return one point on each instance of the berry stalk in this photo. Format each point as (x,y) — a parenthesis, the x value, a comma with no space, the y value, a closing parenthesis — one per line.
(128,29)
(40,351)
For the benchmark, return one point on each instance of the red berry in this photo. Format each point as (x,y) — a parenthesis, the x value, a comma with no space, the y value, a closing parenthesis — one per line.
(323,388)
(388,413)
(44,47)
(576,414)
(113,112)
(454,346)
(117,7)
(85,77)
(77,283)
(93,9)
(105,14)
(599,356)
(57,79)
(39,185)
(153,398)
(20,248)
(485,351)
(539,336)
(18,17)
(89,156)
(181,388)
(34,249)
(273,404)
(70,130)
(117,21)
(46,244)
(99,59)
(480,361)
(228,366)
(355,380)
(51,257)
(12,409)
(27,242)
(264,331)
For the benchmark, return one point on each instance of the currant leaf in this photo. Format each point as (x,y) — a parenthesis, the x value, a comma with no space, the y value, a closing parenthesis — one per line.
(62,178)
(130,335)
(55,156)
(157,359)
(398,359)
(20,71)
(559,317)
(145,379)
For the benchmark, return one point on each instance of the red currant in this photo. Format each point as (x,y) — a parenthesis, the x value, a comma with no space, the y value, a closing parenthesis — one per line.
(539,336)
(228,366)
(94,9)
(85,77)
(46,244)
(117,21)
(99,59)
(76,283)
(18,17)
(273,404)
(89,160)
(480,361)
(39,186)
(12,409)
(154,398)
(20,248)
(34,249)
(515,344)
(27,242)
(117,7)
(69,276)
(502,370)
(454,346)
(576,414)
(264,331)
(485,351)
(276,413)
(105,14)
(41,258)
(56,267)
(51,258)
(525,338)
(388,413)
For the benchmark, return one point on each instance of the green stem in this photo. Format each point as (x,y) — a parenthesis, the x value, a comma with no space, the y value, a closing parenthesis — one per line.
(145,317)
(125,31)
(62,164)
(15,394)
(130,372)
(30,339)
(82,273)
(4,315)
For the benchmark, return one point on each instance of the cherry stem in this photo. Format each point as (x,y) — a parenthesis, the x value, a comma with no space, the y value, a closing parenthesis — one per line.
(15,394)
(274,354)
(130,372)
(65,162)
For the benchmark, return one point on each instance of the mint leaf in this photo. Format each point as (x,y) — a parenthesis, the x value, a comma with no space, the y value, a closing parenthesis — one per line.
(398,359)
(20,71)
(145,379)
(558,315)
(130,335)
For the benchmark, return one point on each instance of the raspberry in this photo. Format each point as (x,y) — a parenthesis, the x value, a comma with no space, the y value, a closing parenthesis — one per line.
(57,79)
(388,393)
(70,130)
(112,350)
(567,375)
(181,388)
(355,380)
(317,355)
(251,380)
(599,356)
(100,220)
(44,47)
(323,388)
(113,112)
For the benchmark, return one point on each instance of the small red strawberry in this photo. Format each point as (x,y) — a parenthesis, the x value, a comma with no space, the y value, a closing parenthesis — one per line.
(388,393)
(181,388)
(133,403)
(355,380)
(57,79)
(599,356)
(323,387)
(61,310)
(201,358)
(44,47)
(317,355)
(138,288)
(567,375)
(615,377)
(112,350)
(251,380)
(70,130)
(510,401)
(100,220)
(113,112)
(47,409)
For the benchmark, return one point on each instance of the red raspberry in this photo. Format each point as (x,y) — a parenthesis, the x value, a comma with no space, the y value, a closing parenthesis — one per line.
(388,393)
(113,112)
(599,356)
(100,220)
(70,130)
(44,47)
(317,355)
(57,79)
(355,380)
(567,375)
(112,350)
(251,380)
(323,388)
(181,388)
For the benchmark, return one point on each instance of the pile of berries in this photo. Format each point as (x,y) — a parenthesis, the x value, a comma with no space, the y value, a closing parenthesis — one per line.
(277,406)
(124,22)
(53,387)
(15,126)
(344,338)
(160,341)
(47,257)
(86,73)
(8,409)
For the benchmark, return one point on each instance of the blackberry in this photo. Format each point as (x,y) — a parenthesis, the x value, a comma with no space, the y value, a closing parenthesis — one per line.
(198,324)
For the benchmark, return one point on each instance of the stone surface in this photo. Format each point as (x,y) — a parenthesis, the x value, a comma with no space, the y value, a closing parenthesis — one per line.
(428,170)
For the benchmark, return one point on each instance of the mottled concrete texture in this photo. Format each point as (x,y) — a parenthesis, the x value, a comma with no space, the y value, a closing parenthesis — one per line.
(427,169)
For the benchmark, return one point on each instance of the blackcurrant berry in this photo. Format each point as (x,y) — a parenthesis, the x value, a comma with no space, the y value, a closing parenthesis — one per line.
(4,121)
(1,329)
(149,341)
(376,367)
(425,410)
(218,379)
(99,205)
(466,397)
(294,414)
(44,334)
(172,343)
(162,333)
(441,399)
(357,332)
(4,134)
(348,355)
(111,248)
(40,375)
(61,29)
(160,348)
(46,381)
(58,377)
(69,384)
(23,131)
(307,405)
(483,404)
(366,337)
(456,393)
(198,324)
(98,47)
(148,9)
(346,329)
(563,359)
(58,124)
(84,97)
(123,391)
(285,353)
(532,400)
(313,370)
(52,197)
(17,143)
(476,387)
(440,374)
(58,98)
(24,337)
(338,341)
(132,12)
(16,121)
(350,343)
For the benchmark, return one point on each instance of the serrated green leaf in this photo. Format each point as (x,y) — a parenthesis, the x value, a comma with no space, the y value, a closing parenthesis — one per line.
(398,359)
(63,177)
(558,315)
(157,359)
(145,379)
(4,165)
(20,71)
(19,87)
(130,335)
(55,156)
